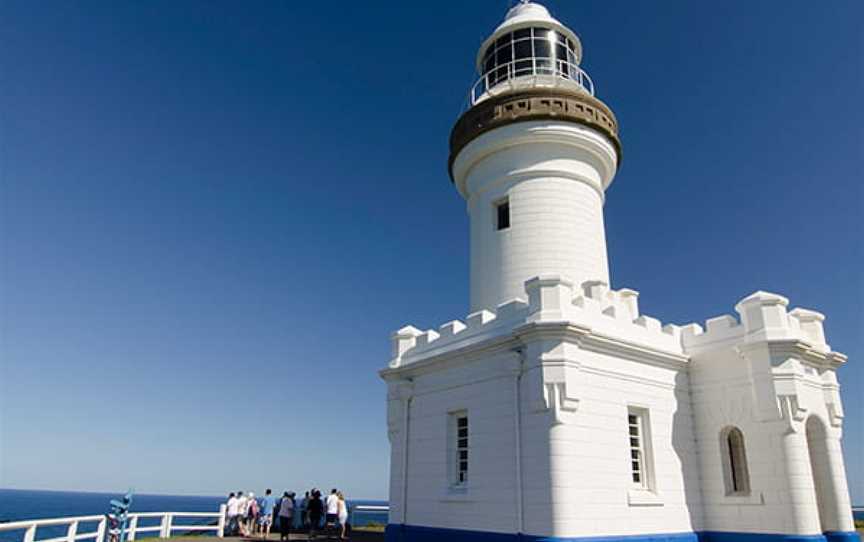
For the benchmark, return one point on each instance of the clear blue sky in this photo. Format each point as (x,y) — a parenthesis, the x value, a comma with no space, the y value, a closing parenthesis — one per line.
(215,213)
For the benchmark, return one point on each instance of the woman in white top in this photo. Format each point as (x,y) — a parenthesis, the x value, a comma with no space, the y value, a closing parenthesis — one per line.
(343,516)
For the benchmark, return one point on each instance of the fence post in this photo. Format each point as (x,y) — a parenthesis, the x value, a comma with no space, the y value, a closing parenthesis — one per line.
(100,531)
(220,531)
(30,533)
(130,530)
(72,531)
(165,528)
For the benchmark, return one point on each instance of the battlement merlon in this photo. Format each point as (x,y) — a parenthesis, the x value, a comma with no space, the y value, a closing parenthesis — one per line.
(764,318)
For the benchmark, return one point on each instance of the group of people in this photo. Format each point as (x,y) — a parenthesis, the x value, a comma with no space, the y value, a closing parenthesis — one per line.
(247,516)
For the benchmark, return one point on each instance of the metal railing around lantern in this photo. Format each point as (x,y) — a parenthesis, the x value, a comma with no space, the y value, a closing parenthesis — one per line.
(527,73)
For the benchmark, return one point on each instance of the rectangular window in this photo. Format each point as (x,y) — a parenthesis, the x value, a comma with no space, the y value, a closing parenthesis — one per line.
(640,452)
(459,448)
(503,214)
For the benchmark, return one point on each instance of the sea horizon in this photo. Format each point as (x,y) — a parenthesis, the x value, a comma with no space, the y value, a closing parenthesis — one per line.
(150,494)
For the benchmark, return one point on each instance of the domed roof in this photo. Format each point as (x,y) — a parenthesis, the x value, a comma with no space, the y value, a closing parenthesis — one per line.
(526,10)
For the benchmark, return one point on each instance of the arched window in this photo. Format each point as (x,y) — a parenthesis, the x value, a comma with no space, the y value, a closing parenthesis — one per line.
(734,457)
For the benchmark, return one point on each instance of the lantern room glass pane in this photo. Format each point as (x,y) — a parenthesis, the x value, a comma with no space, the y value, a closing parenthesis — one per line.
(504,54)
(522,49)
(542,48)
(561,51)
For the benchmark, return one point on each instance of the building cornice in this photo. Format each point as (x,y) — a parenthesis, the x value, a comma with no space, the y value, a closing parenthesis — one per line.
(463,355)
(797,348)
(600,343)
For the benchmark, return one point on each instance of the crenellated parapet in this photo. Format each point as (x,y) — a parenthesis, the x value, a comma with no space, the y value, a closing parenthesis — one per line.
(410,344)
(549,299)
(616,313)
(764,318)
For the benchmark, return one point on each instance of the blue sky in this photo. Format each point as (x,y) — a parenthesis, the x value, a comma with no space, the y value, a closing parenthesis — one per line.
(215,213)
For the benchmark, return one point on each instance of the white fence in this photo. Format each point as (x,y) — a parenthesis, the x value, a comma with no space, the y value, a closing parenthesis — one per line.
(367,509)
(166,526)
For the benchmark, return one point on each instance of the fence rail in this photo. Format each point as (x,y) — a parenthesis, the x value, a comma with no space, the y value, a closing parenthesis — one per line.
(366,510)
(167,525)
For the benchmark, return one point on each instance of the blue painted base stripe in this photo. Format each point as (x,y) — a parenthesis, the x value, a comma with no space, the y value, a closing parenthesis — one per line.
(723,536)
(842,536)
(412,533)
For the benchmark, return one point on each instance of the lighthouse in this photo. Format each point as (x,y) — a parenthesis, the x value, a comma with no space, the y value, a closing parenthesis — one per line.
(533,157)
(556,409)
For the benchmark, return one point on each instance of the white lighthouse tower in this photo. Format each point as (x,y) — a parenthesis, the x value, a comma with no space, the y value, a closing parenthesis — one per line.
(556,410)
(532,158)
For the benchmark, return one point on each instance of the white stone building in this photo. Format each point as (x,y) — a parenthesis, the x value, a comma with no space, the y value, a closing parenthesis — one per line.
(556,410)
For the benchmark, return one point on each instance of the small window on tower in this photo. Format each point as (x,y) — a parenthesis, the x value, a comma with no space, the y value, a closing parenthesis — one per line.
(503,210)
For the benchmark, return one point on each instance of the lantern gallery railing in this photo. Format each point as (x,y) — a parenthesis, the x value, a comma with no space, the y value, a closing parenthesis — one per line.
(530,72)
(161,524)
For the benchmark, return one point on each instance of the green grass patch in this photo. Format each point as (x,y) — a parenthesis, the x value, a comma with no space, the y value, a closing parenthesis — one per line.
(371,527)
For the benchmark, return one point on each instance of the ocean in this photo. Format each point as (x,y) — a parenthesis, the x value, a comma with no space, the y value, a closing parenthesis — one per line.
(17,504)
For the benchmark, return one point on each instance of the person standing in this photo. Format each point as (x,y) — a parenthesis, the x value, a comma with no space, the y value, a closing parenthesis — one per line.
(316,509)
(231,511)
(251,515)
(286,516)
(242,510)
(343,517)
(265,519)
(332,511)
(304,512)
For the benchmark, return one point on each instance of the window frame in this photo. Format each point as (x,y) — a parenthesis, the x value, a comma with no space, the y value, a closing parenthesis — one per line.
(643,447)
(458,465)
(636,438)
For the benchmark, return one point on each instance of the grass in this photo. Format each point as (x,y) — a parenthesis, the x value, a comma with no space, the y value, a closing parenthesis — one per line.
(371,527)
